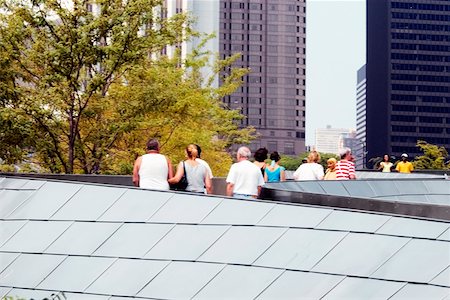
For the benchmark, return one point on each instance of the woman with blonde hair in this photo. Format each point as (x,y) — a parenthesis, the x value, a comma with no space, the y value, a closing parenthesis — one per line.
(310,170)
(330,173)
(196,173)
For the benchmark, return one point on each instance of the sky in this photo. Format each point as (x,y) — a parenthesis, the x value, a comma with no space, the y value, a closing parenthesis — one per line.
(335,50)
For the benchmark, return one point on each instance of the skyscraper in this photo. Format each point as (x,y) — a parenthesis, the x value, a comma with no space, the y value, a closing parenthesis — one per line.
(408,66)
(271,37)
(360,149)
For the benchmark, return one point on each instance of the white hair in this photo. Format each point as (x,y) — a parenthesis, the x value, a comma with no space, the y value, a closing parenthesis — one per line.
(343,152)
(244,152)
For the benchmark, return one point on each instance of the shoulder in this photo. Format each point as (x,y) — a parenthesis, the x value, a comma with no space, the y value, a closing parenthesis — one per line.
(138,160)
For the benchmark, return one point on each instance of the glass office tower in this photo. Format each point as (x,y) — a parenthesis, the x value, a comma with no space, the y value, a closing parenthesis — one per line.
(408,75)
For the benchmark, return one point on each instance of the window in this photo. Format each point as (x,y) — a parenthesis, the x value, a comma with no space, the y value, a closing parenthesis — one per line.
(272,146)
(255,17)
(271,17)
(289,148)
(255,37)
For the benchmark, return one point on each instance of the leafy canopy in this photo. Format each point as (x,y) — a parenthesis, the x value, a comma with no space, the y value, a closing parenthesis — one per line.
(91,86)
(434,157)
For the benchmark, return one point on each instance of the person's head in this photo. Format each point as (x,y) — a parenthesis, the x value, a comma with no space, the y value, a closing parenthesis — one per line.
(274,156)
(346,154)
(313,157)
(261,154)
(404,157)
(152,145)
(243,153)
(331,163)
(199,150)
(191,151)
(386,157)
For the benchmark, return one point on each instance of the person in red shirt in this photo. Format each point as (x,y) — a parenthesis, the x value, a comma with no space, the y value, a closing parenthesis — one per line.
(345,168)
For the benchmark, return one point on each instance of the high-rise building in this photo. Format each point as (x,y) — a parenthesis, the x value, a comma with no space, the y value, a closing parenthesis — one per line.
(360,148)
(271,37)
(408,67)
(206,16)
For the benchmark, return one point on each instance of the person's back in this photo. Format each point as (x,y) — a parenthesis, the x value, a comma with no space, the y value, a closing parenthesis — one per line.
(153,172)
(274,173)
(345,169)
(206,165)
(244,179)
(309,171)
(195,174)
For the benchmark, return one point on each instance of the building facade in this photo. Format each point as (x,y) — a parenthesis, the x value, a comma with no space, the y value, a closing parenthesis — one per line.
(332,140)
(270,36)
(206,16)
(360,148)
(408,76)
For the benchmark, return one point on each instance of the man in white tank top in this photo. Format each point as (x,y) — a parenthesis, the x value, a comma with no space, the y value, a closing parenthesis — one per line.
(152,169)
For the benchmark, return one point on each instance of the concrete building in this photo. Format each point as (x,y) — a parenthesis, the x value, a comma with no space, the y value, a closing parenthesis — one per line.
(360,148)
(331,140)
(408,62)
(271,37)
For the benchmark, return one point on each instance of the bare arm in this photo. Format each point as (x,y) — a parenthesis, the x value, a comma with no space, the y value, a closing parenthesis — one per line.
(178,174)
(265,177)
(259,190)
(208,184)
(137,165)
(282,175)
(169,165)
(230,187)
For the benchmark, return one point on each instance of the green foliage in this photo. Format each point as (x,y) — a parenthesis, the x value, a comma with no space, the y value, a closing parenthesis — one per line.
(172,104)
(434,157)
(16,135)
(87,90)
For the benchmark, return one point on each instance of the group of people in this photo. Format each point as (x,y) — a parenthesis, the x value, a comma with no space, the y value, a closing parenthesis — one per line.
(154,170)
(403,166)
(245,178)
(344,169)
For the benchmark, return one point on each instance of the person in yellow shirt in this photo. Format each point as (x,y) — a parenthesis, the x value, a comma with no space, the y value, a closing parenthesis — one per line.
(404,166)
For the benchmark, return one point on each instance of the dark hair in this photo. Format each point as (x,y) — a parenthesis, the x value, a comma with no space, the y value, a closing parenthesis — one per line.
(153,144)
(275,156)
(199,150)
(261,154)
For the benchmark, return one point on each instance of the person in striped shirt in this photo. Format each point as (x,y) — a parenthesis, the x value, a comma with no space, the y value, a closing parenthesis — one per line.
(345,168)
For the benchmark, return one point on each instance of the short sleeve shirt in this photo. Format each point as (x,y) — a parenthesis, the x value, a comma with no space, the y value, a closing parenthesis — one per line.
(246,177)
(344,169)
(404,167)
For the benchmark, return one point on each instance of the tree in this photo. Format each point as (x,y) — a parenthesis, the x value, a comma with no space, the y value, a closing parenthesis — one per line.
(66,57)
(177,106)
(434,157)
(91,87)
